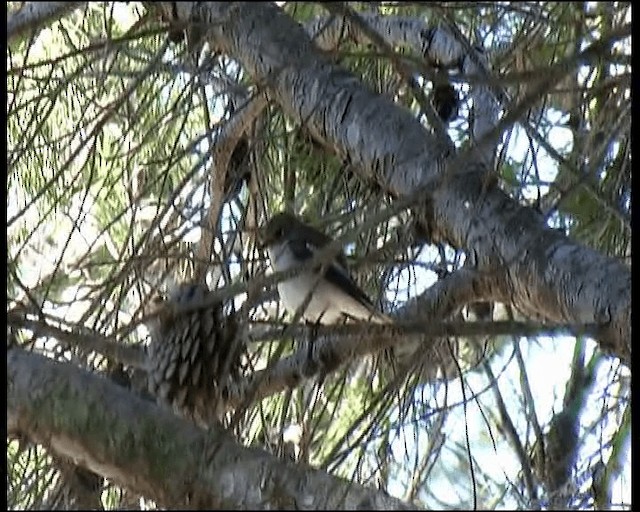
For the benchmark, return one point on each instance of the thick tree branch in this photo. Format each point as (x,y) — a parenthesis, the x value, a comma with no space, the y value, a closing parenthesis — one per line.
(34,15)
(356,24)
(145,448)
(432,43)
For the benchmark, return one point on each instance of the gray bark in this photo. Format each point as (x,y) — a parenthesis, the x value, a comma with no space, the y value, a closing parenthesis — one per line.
(433,43)
(35,14)
(134,443)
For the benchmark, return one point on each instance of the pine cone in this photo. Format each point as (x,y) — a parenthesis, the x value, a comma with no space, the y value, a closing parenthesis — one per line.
(194,355)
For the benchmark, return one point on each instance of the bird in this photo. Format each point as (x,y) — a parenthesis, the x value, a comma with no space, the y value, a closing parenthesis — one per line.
(194,355)
(331,296)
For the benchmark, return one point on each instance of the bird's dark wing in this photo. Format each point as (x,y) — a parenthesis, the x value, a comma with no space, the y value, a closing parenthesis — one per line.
(336,273)
(338,276)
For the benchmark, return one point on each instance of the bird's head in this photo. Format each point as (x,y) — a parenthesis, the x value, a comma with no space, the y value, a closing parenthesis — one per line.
(287,227)
(279,228)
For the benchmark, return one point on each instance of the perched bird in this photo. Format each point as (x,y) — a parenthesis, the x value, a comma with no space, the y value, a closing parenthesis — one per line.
(331,297)
(194,355)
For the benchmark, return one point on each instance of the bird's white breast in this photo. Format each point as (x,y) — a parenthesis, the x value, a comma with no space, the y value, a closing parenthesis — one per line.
(328,304)
(293,291)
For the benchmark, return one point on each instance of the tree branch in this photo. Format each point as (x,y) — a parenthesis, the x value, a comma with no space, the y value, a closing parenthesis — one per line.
(135,443)
(88,340)
(422,340)
(34,15)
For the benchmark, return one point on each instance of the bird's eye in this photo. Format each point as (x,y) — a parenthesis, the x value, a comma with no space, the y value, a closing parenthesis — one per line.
(276,232)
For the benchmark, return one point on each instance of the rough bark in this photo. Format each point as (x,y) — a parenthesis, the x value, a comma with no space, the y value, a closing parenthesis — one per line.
(102,427)
(434,43)
(35,14)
